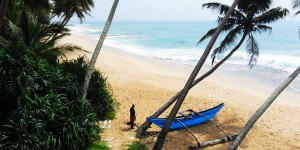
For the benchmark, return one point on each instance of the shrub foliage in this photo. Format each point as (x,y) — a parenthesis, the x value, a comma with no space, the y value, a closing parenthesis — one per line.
(99,93)
(41,106)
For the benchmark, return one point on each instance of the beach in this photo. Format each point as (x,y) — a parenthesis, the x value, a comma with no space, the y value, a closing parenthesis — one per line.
(150,82)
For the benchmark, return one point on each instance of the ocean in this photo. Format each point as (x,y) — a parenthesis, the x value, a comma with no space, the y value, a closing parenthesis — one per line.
(177,41)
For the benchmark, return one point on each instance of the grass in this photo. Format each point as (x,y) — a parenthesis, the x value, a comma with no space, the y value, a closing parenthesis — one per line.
(137,145)
(99,146)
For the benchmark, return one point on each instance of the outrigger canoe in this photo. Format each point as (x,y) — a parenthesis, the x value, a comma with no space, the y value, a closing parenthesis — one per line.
(191,119)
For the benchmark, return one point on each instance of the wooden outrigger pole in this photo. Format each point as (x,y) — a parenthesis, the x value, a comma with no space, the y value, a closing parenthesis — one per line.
(199,145)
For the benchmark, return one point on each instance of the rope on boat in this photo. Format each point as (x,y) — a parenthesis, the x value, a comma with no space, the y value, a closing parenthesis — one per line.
(198,143)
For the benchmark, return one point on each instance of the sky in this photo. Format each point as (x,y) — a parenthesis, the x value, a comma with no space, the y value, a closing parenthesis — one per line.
(151,10)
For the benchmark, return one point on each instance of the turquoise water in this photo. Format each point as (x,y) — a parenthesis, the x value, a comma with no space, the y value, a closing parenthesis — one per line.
(177,41)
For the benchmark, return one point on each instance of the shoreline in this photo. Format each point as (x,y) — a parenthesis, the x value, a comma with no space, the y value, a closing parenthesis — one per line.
(149,82)
(250,86)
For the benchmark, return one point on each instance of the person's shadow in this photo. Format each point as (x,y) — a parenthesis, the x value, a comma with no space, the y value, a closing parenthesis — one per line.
(128,128)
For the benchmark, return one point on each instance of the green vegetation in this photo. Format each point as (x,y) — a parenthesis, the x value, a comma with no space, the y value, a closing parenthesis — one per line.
(137,145)
(41,105)
(98,95)
(99,146)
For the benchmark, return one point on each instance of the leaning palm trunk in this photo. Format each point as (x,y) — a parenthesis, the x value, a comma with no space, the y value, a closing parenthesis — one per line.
(147,124)
(161,138)
(97,50)
(263,108)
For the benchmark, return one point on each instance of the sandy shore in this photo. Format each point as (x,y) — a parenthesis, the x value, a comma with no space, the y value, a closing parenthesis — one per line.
(149,83)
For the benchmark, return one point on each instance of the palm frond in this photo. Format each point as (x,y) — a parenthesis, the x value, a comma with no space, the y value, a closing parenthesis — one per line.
(227,41)
(54,52)
(297,13)
(254,6)
(296,4)
(45,29)
(70,48)
(60,36)
(67,8)
(272,15)
(11,31)
(230,20)
(222,9)
(227,27)
(58,50)
(263,28)
(3,43)
(253,50)
(207,35)
(218,7)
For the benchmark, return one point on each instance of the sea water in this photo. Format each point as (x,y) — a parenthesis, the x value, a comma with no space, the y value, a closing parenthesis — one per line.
(177,41)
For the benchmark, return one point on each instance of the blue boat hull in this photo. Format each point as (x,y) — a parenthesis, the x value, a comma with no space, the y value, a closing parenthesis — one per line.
(192,120)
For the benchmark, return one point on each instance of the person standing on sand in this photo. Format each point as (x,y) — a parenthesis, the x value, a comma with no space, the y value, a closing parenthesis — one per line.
(132,116)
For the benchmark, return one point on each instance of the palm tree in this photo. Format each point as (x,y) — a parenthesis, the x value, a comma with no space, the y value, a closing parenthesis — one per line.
(35,31)
(262,109)
(66,9)
(97,49)
(249,18)
(243,5)
(162,136)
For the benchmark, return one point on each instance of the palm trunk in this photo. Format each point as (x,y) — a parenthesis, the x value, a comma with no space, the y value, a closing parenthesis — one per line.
(147,124)
(263,108)
(3,9)
(97,49)
(162,136)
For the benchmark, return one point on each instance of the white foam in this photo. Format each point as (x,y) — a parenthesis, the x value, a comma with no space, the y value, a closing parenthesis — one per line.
(128,48)
(283,62)
(82,29)
(134,36)
(191,56)
(274,59)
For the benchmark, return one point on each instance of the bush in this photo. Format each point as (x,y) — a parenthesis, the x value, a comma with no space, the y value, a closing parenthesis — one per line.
(41,106)
(99,93)
(137,145)
(50,122)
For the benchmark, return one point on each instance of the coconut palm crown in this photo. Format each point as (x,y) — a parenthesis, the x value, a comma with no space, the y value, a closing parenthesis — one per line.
(66,9)
(249,17)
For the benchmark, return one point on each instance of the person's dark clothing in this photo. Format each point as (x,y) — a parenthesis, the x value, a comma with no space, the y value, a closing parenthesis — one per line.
(132,116)
(132,111)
